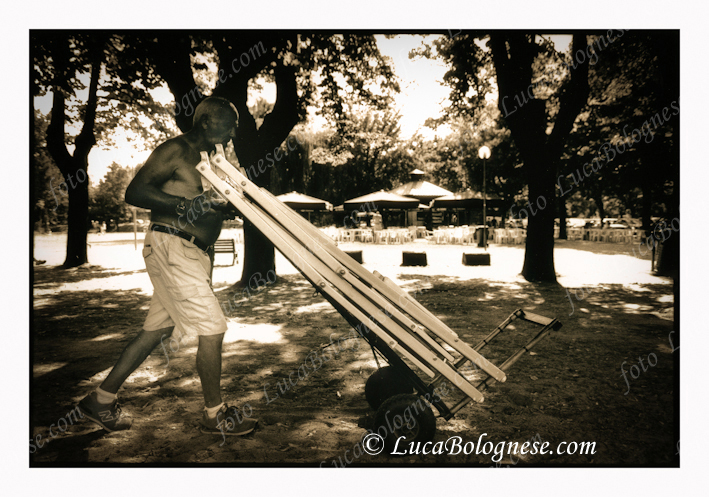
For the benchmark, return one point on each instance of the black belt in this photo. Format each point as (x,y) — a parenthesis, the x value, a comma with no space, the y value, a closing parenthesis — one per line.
(182,234)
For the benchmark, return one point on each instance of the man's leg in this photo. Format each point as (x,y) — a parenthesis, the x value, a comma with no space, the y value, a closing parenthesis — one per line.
(218,418)
(133,356)
(98,405)
(209,367)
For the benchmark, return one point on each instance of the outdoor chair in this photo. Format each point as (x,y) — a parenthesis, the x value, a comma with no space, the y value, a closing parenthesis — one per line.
(509,236)
(413,232)
(226,246)
(516,236)
(394,236)
(441,236)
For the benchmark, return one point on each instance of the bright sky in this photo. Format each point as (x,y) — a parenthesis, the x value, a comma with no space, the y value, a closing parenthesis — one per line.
(422,92)
(422,96)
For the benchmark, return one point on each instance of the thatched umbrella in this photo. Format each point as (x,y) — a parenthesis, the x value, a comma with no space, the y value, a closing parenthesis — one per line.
(304,203)
(422,190)
(301,202)
(380,200)
(467,200)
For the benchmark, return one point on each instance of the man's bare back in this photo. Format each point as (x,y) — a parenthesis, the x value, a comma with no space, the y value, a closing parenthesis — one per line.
(169,177)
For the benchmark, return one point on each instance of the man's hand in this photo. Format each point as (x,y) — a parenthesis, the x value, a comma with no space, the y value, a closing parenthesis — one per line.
(208,204)
(227,210)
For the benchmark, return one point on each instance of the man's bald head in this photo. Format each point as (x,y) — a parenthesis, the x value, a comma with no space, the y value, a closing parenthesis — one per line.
(214,106)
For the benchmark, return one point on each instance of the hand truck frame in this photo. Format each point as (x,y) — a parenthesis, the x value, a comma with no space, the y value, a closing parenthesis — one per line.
(394,324)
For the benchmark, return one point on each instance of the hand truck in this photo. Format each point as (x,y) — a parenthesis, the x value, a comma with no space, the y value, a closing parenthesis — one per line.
(394,324)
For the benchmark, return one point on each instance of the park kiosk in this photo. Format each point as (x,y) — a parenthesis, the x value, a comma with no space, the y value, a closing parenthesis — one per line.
(425,357)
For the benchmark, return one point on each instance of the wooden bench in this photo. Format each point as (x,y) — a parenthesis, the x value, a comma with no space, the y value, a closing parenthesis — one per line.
(225,246)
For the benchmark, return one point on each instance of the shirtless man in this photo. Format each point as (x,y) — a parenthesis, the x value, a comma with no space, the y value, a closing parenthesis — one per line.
(185,223)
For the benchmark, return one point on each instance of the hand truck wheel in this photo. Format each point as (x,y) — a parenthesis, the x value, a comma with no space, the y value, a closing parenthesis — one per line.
(384,383)
(404,415)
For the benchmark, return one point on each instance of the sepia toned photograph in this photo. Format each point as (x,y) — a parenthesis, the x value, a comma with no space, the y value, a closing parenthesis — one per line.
(418,253)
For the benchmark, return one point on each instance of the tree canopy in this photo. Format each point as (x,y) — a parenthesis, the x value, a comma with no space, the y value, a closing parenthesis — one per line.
(561,108)
(587,128)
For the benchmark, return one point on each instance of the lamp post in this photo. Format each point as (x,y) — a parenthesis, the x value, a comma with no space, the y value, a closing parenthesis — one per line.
(484,154)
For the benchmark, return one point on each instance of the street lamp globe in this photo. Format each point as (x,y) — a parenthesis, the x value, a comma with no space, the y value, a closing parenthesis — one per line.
(484,152)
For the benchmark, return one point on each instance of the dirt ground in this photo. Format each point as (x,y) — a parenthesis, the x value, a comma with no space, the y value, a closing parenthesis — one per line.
(571,389)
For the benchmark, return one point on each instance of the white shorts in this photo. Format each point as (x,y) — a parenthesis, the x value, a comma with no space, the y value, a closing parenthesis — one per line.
(183,296)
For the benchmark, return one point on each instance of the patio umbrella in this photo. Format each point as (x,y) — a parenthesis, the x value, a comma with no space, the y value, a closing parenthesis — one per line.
(301,202)
(380,200)
(422,190)
(467,200)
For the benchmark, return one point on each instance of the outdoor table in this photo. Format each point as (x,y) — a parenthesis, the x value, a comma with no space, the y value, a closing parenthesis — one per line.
(456,235)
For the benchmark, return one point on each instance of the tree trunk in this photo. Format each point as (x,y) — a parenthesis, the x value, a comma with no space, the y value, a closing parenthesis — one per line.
(74,168)
(259,258)
(255,151)
(33,178)
(561,205)
(561,208)
(646,209)
(513,56)
(598,200)
(539,249)
(78,218)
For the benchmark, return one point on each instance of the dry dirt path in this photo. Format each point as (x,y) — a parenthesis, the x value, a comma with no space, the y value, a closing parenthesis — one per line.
(570,390)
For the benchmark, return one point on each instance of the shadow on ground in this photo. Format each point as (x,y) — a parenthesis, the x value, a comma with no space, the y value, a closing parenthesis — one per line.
(47,277)
(571,389)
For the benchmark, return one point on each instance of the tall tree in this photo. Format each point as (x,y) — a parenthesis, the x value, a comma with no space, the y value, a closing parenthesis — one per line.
(65,53)
(108,201)
(514,56)
(49,200)
(538,106)
(346,69)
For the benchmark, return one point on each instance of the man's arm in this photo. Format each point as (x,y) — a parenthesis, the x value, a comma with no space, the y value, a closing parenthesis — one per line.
(144,191)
